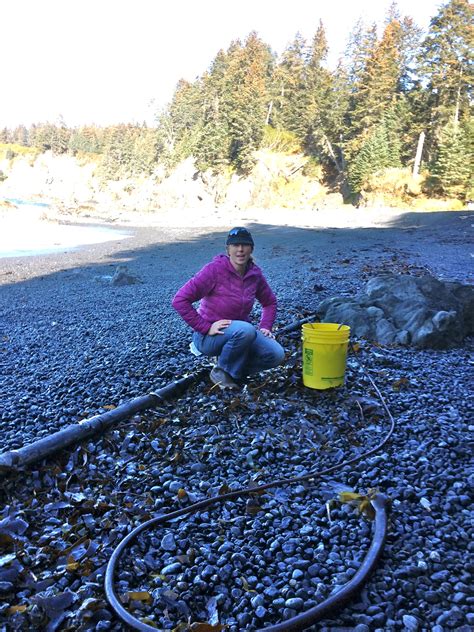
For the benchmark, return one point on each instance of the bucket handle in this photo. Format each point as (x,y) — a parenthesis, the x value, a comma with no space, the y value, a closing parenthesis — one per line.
(317,323)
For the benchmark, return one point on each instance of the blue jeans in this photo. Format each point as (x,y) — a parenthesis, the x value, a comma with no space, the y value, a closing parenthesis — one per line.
(242,349)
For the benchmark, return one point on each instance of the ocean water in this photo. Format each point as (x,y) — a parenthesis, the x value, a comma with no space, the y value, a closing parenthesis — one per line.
(23,234)
(20,202)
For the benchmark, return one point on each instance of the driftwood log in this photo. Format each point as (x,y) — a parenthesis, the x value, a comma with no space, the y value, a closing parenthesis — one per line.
(15,459)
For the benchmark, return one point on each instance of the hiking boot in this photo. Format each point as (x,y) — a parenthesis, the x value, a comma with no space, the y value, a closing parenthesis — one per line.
(222,378)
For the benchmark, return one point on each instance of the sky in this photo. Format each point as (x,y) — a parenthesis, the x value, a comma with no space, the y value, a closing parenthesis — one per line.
(112,61)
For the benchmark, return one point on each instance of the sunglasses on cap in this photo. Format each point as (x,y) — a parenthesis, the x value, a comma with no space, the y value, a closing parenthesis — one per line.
(239,231)
(239,235)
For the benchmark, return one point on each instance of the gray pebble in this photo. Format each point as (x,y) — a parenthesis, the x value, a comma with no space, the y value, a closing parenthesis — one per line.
(294,603)
(168,542)
(261,612)
(257,601)
(171,569)
(410,622)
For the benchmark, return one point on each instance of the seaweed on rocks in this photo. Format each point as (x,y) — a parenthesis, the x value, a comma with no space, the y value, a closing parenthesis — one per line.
(71,348)
(246,564)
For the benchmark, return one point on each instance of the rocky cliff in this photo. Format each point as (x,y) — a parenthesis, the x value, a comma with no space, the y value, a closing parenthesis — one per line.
(72,184)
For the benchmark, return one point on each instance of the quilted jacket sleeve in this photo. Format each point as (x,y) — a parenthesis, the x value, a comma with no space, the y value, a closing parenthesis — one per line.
(268,301)
(195,289)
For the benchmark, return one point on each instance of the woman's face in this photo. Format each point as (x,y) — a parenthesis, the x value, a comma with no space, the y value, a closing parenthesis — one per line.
(239,255)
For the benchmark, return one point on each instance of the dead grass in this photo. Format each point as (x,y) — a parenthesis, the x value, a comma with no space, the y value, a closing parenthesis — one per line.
(11,150)
(398,188)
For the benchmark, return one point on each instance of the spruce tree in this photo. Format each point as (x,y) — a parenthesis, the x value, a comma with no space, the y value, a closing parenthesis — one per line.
(446,60)
(32,131)
(380,150)
(179,124)
(336,125)
(87,139)
(391,123)
(42,136)
(145,150)
(60,135)
(246,98)
(453,165)
(360,50)
(319,86)
(379,82)
(411,104)
(4,135)
(20,135)
(212,145)
(409,38)
(118,152)
(292,99)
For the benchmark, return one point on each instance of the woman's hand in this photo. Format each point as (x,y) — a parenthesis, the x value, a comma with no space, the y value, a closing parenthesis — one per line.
(218,327)
(267,333)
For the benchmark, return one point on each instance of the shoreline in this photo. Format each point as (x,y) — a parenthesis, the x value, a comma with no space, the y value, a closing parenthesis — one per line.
(338,217)
(346,216)
(442,240)
(32,230)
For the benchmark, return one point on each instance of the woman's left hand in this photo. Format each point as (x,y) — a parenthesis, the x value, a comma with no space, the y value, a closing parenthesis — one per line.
(267,333)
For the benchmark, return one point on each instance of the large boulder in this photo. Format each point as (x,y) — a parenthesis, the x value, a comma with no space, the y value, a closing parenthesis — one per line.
(408,310)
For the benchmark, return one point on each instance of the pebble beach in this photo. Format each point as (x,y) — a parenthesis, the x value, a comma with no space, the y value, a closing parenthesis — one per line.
(73,345)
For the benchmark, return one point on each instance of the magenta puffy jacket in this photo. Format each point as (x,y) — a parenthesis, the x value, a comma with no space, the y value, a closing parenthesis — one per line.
(224,293)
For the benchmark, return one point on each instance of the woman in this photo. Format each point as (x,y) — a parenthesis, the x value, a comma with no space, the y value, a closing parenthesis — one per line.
(227,288)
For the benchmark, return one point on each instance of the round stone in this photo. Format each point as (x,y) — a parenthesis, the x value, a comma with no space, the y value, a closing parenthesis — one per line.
(294,603)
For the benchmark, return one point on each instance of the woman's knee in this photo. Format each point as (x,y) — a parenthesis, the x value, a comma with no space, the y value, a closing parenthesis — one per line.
(243,330)
(272,355)
(277,354)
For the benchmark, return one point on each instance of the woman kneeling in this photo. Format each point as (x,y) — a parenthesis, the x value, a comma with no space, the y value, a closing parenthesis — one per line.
(227,288)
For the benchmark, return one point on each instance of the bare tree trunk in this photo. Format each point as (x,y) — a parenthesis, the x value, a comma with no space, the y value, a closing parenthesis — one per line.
(343,160)
(456,112)
(419,151)
(269,112)
(331,153)
(458,99)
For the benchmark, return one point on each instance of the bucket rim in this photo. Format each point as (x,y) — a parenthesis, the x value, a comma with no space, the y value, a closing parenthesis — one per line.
(326,327)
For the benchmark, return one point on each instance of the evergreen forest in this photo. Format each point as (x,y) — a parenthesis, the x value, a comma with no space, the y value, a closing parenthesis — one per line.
(398,99)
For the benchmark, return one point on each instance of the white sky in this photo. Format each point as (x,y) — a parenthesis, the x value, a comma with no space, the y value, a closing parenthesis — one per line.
(110,61)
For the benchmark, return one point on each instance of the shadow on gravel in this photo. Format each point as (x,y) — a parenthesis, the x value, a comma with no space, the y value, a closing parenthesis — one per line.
(72,345)
(440,241)
(71,342)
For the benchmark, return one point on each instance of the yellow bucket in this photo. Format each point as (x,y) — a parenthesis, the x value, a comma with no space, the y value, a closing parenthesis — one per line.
(324,354)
